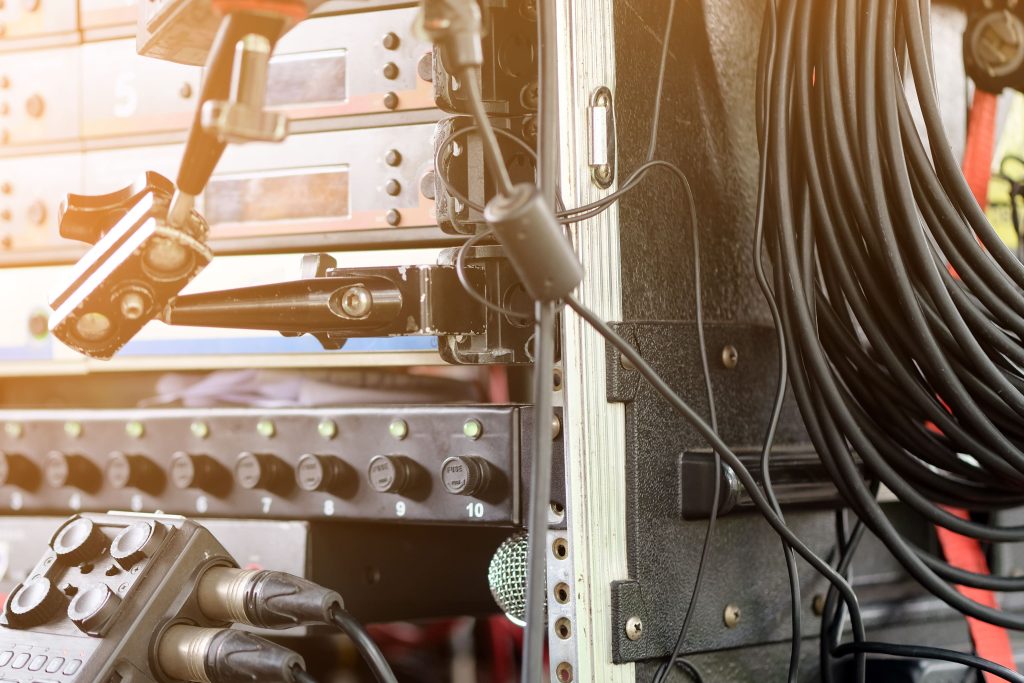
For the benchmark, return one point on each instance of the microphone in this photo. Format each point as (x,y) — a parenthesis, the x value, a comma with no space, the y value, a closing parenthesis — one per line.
(506,577)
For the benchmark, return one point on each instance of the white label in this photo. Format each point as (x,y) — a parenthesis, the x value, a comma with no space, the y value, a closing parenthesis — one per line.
(265,503)
(136,503)
(475,510)
(16,500)
(202,504)
(400,508)
(329,507)
(75,502)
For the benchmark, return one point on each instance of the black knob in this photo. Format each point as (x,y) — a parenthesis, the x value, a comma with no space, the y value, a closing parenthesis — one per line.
(392,473)
(17,470)
(93,608)
(199,472)
(136,471)
(78,541)
(263,471)
(466,475)
(87,218)
(137,542)
(63,469)
(324,473)
(33,603)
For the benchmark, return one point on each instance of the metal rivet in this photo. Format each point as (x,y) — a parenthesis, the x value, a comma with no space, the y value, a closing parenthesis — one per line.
(135,429)
(393,187)
(730,356)
(731,616)
(391,41)
(393,217)
(185,91)
(14,430)
(398,429)
(73,429)
(390,71)
(327,429)
(393,157)
(391,100)
(556,427)
(266,428)
(634,628)
(199,429)
(473,429)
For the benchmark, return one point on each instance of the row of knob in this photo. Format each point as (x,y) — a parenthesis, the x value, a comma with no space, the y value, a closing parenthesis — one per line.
(464,475)
(92,602)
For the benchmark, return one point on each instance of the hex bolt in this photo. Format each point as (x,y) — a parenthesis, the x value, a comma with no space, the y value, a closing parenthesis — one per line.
(356,302)
(133,305)
(731,616)
(730,356)
(634,628)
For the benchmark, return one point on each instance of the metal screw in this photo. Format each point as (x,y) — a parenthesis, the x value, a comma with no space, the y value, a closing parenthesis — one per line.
(634,628)
(185,91)
(393,157)
(35,106)
(266,428)
(14,430)
(391,41)
(135,429)
(731,616)
(473,429)
(818,604)
(393,187)
(556,427)
(391,100)
(730,356)
(393,217)
(37,212)
(132,305)
(199,429)
(356,302)
(626,363)
(165,256)
(327,429)
(428,187)
(390,71)
(398,429)
(73,429)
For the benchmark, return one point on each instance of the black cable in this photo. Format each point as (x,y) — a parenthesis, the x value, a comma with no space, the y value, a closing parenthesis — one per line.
(300,675)
(924,652)
(368,649)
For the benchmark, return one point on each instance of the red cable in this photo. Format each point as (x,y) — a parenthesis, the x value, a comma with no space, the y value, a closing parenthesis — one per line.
(990,642)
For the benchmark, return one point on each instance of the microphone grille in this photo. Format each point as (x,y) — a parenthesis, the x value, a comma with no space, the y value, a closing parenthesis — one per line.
(507,576)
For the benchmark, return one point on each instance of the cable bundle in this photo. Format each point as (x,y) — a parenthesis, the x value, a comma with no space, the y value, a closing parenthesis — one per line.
(902,310)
